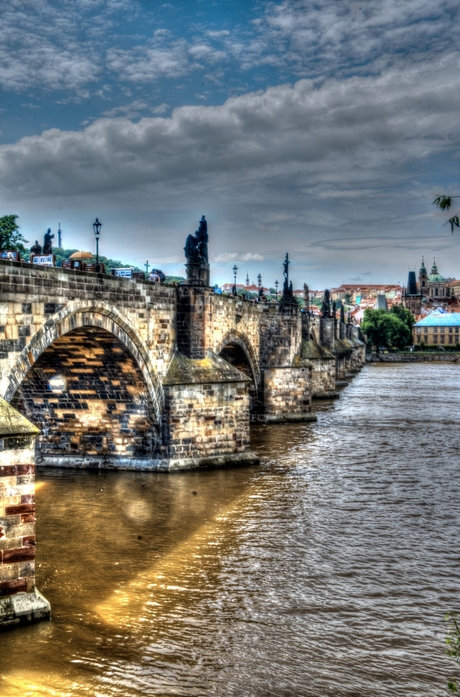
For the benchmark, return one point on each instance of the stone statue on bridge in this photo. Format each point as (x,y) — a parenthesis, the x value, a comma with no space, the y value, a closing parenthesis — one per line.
(196,246)
(36,249)
(287,298)
(47,243)
(196,253)
(306,297)
(326,306)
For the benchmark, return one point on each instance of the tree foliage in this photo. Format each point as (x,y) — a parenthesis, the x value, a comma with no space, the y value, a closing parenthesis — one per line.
(387,329)
(444,203)
(10,237)
(404,315)
(453,646)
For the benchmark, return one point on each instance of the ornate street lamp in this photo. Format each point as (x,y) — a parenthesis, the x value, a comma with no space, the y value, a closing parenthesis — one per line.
(235,271)
(97,231)
(276,289)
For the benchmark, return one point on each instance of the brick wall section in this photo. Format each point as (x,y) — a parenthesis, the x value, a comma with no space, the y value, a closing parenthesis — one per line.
(205,421)
(17,520)
(104,408)
(287,391)
(194,320)
(39,304)
(323,376)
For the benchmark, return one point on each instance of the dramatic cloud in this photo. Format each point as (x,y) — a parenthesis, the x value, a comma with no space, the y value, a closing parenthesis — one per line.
(337,161)
(284,138)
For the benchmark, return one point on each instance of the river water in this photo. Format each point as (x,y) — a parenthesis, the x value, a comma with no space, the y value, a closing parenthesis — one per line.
(325,571)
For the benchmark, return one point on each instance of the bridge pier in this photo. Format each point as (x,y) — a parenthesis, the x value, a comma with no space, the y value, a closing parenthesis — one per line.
(206,415)
(20,601)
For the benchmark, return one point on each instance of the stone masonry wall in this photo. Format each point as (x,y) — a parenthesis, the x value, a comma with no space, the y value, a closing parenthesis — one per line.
(88,397)
(39,304)
(287,391)
(17,516)
(207,420)
(323,376)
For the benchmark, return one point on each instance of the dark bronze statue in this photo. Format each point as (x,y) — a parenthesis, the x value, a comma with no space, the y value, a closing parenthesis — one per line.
(326,306)
(196,246)
(334,309)
(190,249)
(342,314)
(47,242)
(286,263)
(36,249)
(202,237)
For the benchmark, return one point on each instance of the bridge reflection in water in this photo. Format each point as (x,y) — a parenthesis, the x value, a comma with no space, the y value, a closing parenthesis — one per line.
(326,571)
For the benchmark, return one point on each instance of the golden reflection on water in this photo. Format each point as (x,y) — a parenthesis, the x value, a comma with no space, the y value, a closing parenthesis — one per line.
(326,571)
(176,572)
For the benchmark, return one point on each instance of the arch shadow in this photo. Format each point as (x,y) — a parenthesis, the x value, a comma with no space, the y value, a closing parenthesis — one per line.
(77,315)
(241,340)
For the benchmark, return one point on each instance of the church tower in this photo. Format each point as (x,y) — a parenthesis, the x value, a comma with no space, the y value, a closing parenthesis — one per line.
(423,279)
(412,296)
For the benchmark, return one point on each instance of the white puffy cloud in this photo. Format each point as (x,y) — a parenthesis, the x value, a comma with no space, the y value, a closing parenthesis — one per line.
(225,257)
(71,46)
(303,167)
(344,136)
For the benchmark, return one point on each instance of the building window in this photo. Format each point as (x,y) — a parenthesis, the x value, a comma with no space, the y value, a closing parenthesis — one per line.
(425,329)
(435,339)
(442,330)
(442,339)
(418,330)
(419,339)
(456,330)
(450,330)
(450,339)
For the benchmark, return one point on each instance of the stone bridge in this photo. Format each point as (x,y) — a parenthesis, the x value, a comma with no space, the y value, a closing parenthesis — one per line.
(127,374)
(130,374)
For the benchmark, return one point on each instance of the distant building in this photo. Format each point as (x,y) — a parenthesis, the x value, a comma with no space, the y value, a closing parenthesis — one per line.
(228,287)
(438,328)
(362,291)
(412,297)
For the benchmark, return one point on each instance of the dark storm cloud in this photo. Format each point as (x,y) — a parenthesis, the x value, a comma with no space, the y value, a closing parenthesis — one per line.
(295,138)
(340,168)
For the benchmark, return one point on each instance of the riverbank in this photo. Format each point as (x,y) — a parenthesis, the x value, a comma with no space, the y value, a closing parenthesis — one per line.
(413,357)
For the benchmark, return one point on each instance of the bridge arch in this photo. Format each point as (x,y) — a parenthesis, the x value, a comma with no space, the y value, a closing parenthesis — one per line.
(239,340)
(76,315)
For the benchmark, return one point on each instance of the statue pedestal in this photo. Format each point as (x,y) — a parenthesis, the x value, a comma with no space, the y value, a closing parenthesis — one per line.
(197,274)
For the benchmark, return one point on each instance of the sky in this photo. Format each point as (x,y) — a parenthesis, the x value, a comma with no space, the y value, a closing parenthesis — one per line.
(322,128)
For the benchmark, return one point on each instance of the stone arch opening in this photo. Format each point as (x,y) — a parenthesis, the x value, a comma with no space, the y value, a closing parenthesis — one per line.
(235,352)
(88,395)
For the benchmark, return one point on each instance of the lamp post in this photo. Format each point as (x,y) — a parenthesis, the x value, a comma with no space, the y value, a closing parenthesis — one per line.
(97,231)
(276,289)
(235,271)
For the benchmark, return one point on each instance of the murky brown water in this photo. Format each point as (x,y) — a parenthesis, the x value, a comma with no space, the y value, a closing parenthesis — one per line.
(327,571)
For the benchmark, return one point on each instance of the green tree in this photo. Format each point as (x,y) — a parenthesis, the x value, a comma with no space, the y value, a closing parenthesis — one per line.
(444,203)
(384,328)
(404,315)
(453,646)
(10,237)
